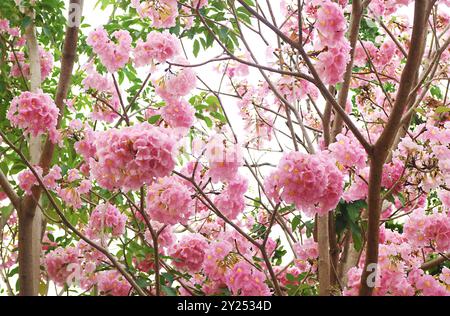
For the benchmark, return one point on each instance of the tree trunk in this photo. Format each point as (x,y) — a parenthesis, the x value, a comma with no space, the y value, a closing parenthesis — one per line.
(384,143)
(30,216)
(324,255)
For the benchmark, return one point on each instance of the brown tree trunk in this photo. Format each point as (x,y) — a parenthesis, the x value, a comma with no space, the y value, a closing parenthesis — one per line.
(30,216)
(324,255)
(384,143)
(29,253)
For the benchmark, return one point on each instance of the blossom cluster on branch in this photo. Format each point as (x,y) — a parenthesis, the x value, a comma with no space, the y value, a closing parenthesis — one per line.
(164,171)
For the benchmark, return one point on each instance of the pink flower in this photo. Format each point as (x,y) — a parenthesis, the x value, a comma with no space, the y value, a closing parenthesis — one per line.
(70,196)
(132,156)
(312,182)
(35,113)
(430,286)
(245,280)
(307,254)
(107,101)
(169,201)
(424,230)
(86,147)
(60,264)
(331,23)
(166,236)
(444,196)
(333,62)
(112,55)
(106,219)
(20,68)
(359,188)
(307,251)
(112,283)
(84,187)
(3,196)
(294,89)
(27,180)
(445,275)
(4,25)
(348,152)
(214,264)
(52,176)
(178,113)
(176,85)
(163,13)
(231,201)
(224,159)
(158,46)
(73,175)
(189,253)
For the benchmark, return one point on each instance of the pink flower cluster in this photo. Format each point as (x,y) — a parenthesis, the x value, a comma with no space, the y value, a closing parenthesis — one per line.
(163,13)
(380,57)
(312,182)
(224,158)
(166,237)
(214,265)
(386,7)
(231,201)
(398,272)
(58,263)
(6,29)
(331,23)
(107,101)
(112,55)
(27,179)
(175,85)
(333,62)
(54,174)
(21,68)
(294,89)
(86,147)
(245,280)
(335,48)
(132,156)
(424,230)
(444,196)
(178,113)
(429,286)
(105,219)
(158,47)
(169,201)
(348,152)
(189,253)
(307,254)
(70,196)
(112,283)
(35,113)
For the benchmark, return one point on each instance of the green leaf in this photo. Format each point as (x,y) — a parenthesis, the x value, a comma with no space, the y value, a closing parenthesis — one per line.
(290,277)
(154,119)
(295,222)
(219,116)
(5,212)
(168,290)
(196,48)
(436,92)
(442,109)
